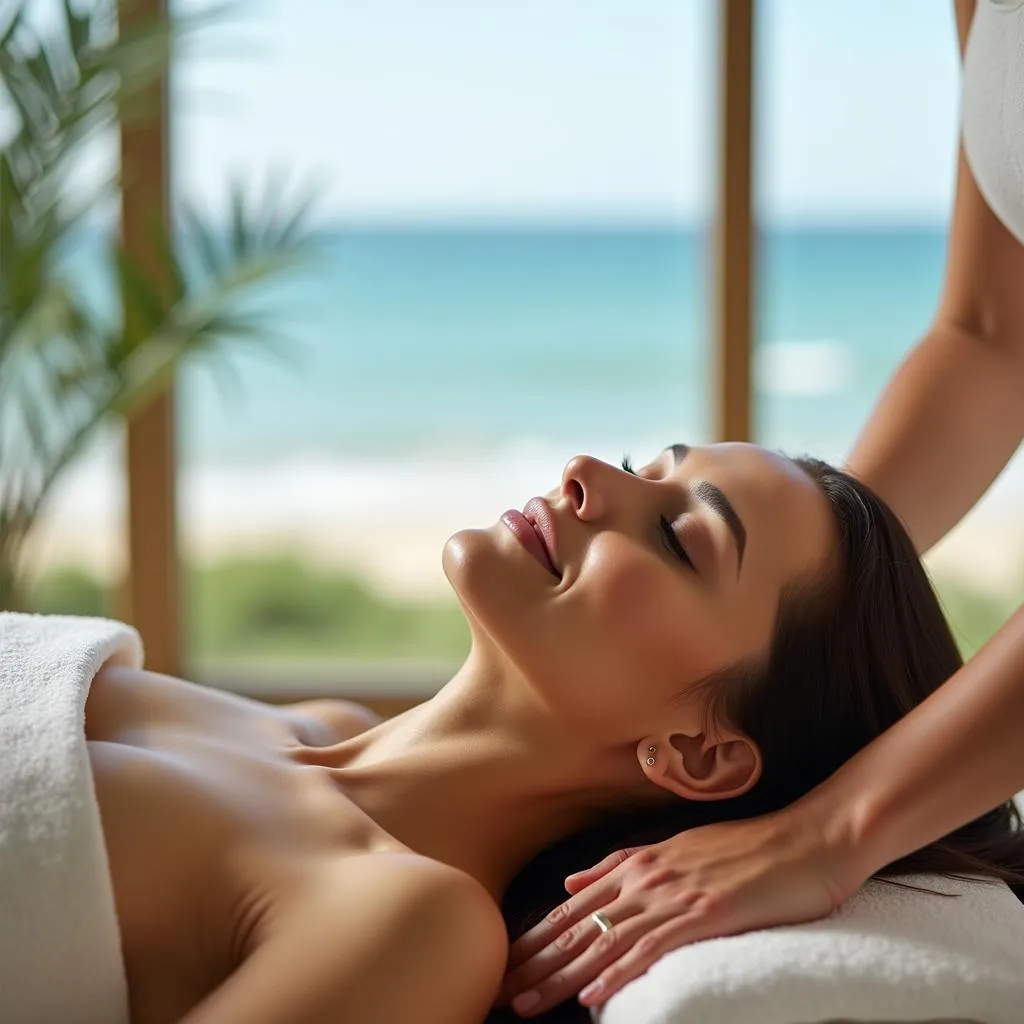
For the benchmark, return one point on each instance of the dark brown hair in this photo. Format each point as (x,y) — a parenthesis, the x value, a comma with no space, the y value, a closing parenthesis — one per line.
(851,654)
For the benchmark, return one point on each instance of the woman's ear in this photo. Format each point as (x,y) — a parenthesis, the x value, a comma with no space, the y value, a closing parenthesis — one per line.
(701,766)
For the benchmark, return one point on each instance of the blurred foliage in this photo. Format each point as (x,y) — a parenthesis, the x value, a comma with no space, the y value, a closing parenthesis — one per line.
(281,607)
(974,616)
(70,591)
(66,366)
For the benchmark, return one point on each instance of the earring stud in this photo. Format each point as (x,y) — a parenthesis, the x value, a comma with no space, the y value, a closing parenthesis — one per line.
(650,760)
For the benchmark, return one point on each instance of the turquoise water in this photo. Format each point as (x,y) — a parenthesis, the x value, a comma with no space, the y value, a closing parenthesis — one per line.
(421,341)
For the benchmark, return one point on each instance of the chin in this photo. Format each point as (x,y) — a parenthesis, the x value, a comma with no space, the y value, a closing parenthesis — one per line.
(502,597)
(462,552)
(469,562)
(484,580)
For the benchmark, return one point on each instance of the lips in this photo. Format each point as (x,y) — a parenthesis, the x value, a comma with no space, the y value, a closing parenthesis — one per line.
(534,529)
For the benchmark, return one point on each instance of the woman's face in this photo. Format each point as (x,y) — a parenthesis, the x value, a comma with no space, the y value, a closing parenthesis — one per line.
(663,576)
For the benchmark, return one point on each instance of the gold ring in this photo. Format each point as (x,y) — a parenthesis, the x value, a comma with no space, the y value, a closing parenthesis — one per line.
(601,921)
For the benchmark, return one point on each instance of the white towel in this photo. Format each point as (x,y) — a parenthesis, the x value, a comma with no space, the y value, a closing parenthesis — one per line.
(60,944)
(888,954)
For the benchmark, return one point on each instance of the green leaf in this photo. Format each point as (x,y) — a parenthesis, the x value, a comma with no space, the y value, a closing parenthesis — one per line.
(65,370)
(239,233)
(174,284)
(44,77)
(294,232)
(227,380)
(12,26)
(144,309)
(202,238)
(78,28)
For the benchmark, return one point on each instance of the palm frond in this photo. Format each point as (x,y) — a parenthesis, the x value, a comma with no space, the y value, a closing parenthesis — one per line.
(66,368)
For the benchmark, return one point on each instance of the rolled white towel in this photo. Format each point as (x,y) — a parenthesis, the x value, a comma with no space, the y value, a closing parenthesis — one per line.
(889,954)
(60,943)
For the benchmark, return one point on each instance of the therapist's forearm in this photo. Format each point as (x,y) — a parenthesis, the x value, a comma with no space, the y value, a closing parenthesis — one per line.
(954,757)
(946,424)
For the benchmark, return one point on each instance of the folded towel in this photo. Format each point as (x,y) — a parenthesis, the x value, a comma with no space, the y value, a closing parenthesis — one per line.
(60,944)
(888,954)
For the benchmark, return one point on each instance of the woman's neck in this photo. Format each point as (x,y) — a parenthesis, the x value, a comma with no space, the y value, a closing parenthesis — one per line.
(481,776)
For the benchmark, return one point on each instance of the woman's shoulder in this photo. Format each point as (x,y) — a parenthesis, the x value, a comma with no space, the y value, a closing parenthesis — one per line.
(383,884)
(390,931)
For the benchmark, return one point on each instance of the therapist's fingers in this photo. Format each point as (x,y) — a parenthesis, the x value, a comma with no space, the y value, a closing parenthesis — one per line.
(558,973)
(596,956)
(563,917)
(720,879)
(566,948)
(648,948)
(581,879)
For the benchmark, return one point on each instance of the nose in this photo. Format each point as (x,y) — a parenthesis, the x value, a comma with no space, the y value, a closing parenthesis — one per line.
(585,483)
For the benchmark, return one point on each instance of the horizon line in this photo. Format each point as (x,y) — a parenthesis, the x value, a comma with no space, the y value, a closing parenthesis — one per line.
(848,224)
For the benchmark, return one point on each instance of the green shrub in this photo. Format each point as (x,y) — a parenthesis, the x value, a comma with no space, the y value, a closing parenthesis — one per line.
(975,616)
(280,607)
(70,591)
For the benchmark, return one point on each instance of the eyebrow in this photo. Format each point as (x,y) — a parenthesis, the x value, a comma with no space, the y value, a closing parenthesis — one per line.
(715,499)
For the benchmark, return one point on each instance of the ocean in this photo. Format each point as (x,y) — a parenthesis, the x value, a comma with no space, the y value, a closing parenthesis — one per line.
(428,342)
(431,379)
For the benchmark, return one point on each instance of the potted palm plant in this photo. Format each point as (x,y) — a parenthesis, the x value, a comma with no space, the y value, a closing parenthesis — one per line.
(67,366)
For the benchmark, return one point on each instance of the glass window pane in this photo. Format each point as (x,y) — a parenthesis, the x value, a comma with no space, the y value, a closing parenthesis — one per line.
(857,129)
(511,272)
(75,556)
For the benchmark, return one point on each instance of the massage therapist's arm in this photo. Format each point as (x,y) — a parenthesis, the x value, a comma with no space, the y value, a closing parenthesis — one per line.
(953,413)
(947,423)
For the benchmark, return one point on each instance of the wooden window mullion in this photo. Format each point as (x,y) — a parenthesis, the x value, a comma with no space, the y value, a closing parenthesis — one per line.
(151,598)
(734,228)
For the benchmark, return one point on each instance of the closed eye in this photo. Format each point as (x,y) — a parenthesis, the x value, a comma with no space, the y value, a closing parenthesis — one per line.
(669,535)
(674,543)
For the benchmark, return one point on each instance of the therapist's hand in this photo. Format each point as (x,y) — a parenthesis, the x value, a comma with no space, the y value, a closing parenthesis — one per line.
(711,881)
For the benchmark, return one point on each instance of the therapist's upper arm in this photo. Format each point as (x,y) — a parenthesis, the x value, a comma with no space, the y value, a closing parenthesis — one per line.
(385,945)
(963,11)
(982,294)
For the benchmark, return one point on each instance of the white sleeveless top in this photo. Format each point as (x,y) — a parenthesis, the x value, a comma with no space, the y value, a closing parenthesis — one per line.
(993,108)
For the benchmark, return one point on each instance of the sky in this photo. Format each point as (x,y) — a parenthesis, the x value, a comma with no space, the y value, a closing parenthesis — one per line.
(570,110)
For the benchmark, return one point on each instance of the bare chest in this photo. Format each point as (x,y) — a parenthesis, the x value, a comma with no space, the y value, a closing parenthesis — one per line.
(209,823)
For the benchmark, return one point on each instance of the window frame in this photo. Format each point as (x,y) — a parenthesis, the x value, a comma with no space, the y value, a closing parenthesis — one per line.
(151,596)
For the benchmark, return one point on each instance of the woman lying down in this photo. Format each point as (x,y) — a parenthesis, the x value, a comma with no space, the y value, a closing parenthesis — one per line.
(707,637)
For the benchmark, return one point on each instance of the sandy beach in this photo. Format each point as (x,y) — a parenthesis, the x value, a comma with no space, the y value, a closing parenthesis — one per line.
(387,521)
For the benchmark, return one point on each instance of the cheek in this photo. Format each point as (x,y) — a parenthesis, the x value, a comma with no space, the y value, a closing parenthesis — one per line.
(647,619)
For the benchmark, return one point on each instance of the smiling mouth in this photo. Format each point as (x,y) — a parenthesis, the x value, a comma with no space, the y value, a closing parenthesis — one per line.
(527,533)
(547,554)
